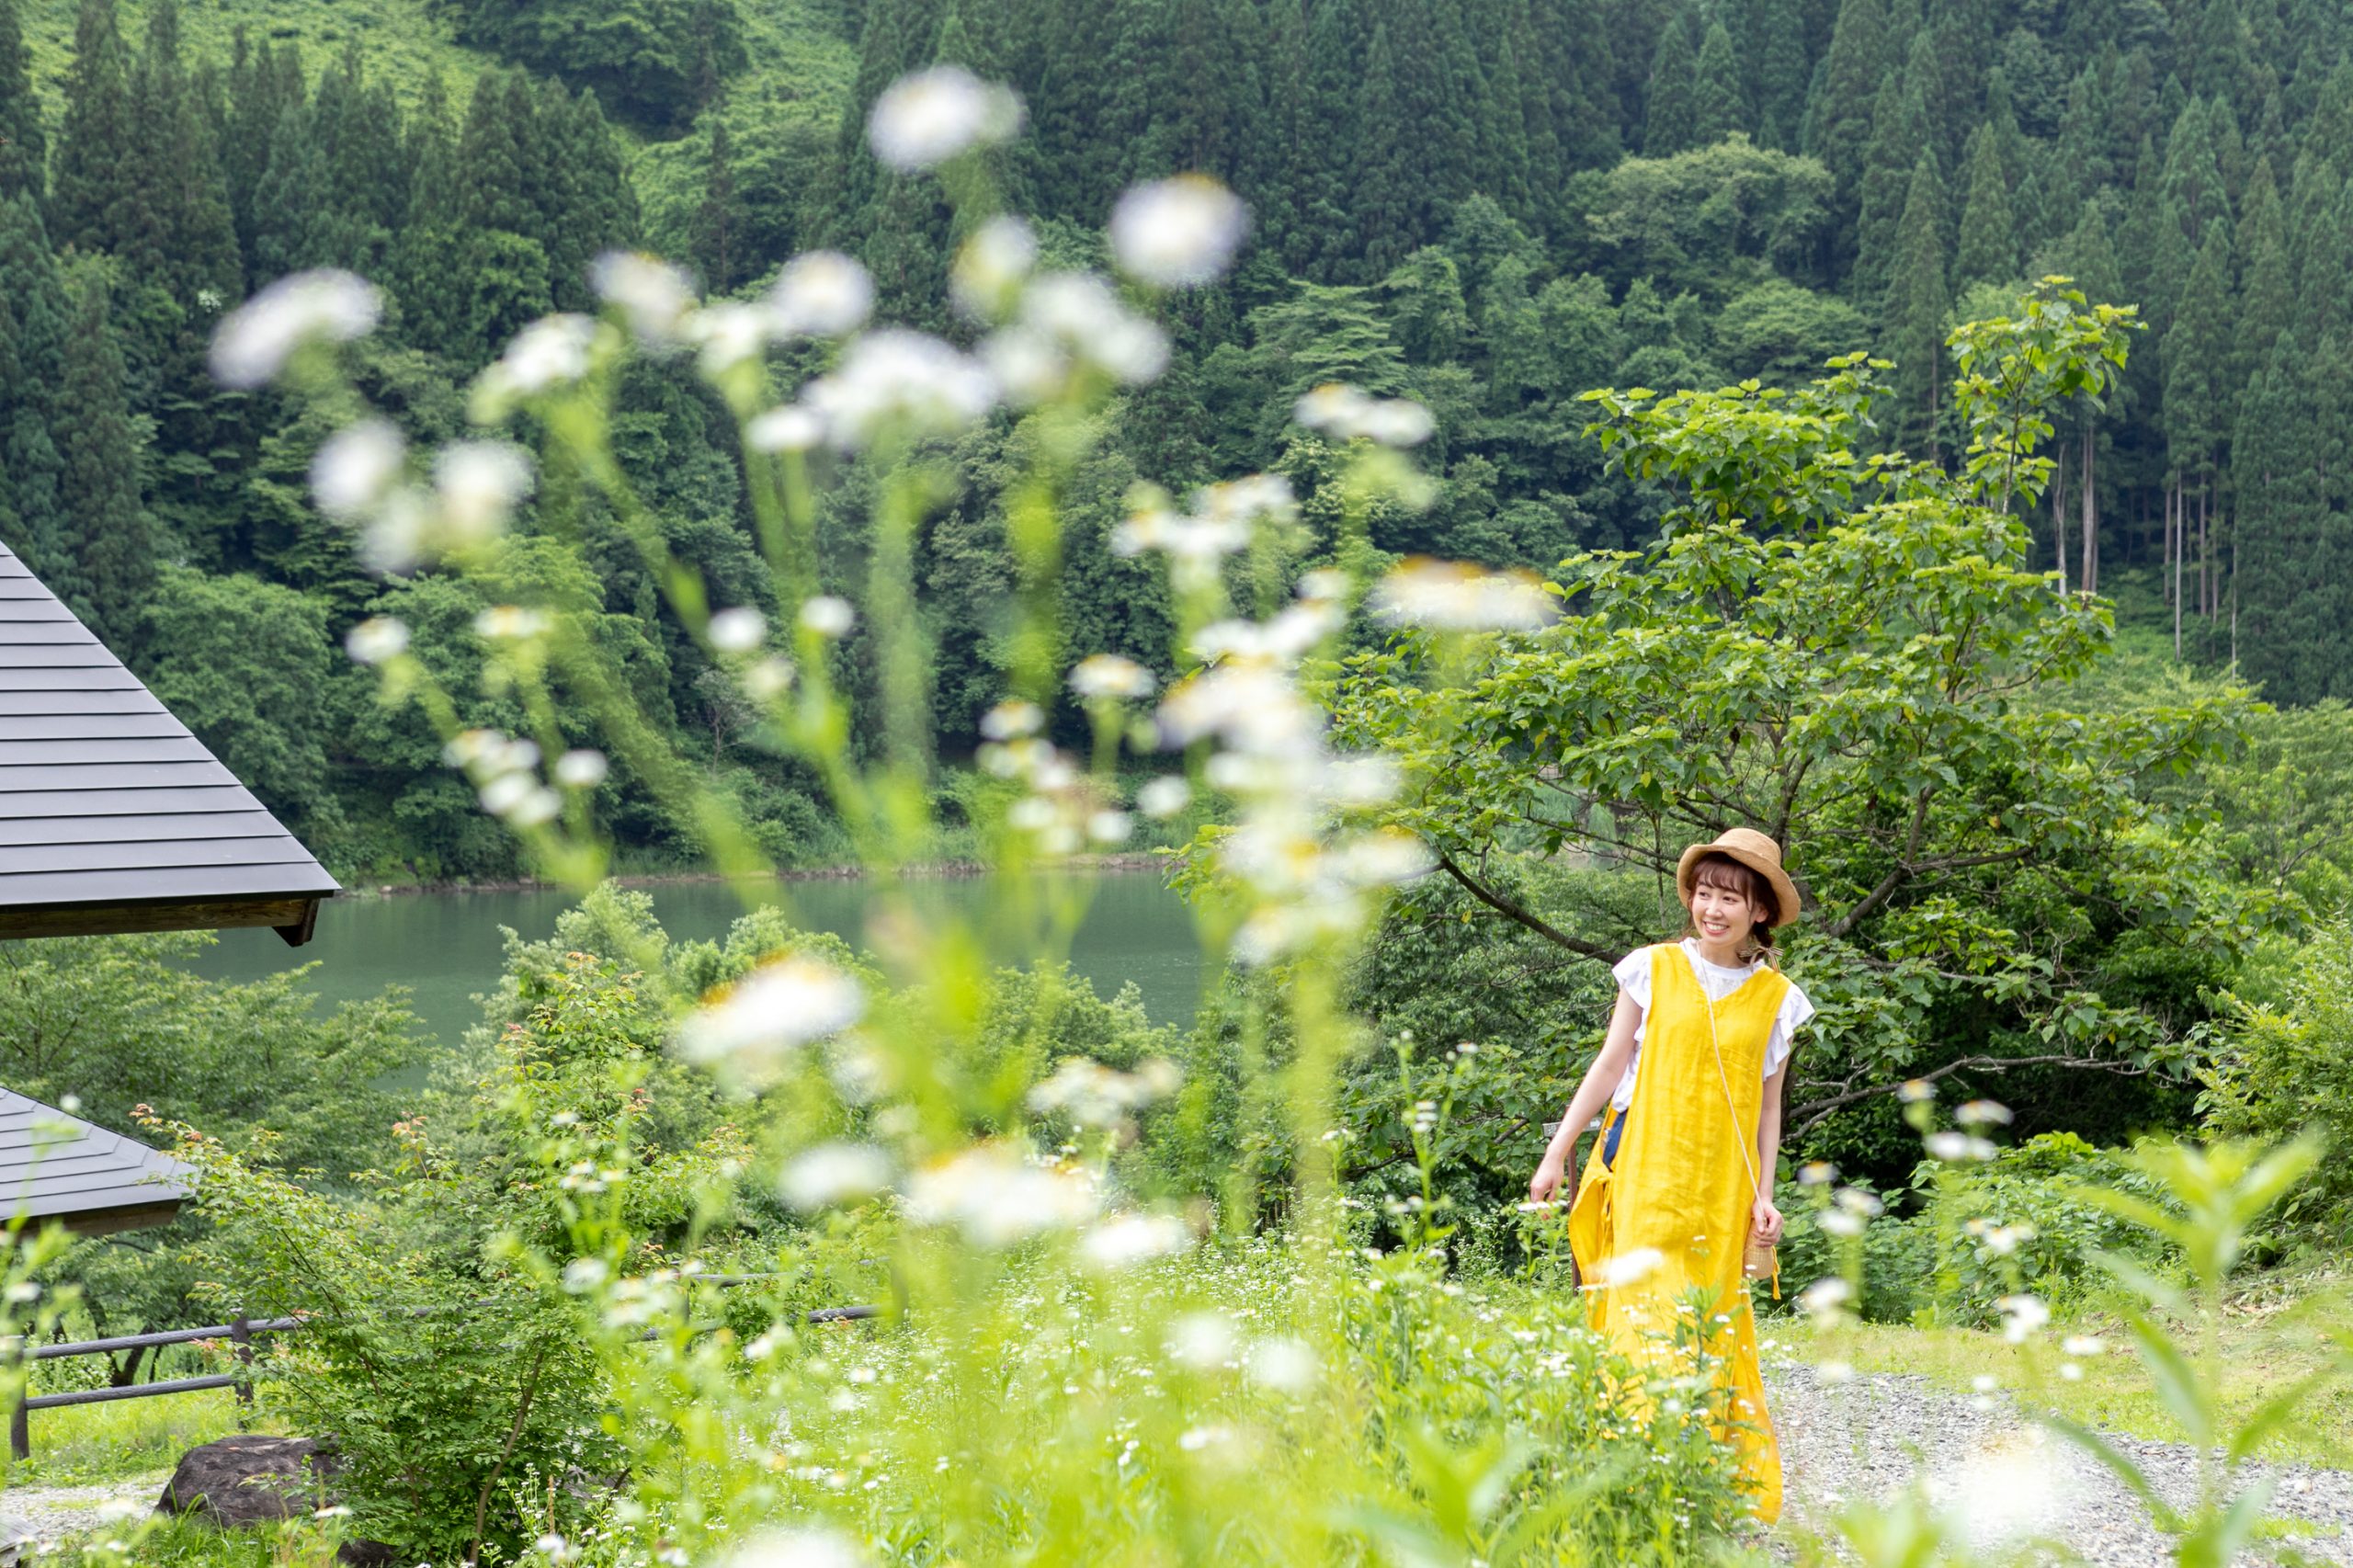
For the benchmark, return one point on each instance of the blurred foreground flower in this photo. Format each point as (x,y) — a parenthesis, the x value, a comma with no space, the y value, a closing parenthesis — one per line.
(996,1196)
(1453,596)
(254,342)
(834,1174)
(771,1012)
(1177,232)
(921,122)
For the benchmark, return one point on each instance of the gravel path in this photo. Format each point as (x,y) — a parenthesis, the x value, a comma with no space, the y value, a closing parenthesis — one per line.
(2013,1484)
(45,1513)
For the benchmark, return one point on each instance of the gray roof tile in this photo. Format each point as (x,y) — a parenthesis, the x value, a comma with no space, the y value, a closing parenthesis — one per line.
(105,797)
(55,1167)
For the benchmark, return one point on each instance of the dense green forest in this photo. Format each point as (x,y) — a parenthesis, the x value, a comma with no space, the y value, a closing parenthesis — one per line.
(1491,207)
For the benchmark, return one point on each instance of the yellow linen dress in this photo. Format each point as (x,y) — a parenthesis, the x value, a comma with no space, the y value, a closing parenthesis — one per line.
(1681,1185)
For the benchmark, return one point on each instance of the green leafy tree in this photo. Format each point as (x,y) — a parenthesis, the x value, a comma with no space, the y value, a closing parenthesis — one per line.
(1922,806)
(94,149)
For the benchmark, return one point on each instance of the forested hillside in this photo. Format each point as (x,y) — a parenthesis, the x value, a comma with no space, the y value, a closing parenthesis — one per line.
(1488,205)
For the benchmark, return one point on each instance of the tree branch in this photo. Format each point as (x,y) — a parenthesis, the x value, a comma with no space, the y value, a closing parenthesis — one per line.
(1812,1113)
(1534,922)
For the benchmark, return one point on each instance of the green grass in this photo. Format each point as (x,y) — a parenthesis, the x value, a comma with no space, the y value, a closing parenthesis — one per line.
(2274,1333)
(84,1444)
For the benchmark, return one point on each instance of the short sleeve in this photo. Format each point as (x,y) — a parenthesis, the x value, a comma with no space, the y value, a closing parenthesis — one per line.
(1634,973)
(1797,1008)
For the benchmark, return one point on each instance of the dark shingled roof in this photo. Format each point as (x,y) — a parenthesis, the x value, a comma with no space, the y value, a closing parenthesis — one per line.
(55,1167)
(112,816)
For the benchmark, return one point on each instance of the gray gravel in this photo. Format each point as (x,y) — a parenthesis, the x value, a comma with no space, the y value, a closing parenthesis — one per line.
(2018,1488)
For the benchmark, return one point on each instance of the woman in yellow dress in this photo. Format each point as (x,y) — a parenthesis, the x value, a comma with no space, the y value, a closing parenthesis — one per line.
(1681,1179)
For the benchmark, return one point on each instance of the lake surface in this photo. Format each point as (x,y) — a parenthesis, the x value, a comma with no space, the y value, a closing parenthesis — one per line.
(445,947)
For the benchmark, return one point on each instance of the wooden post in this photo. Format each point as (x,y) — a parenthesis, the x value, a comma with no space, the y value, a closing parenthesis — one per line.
(20,1415)
(241,1336)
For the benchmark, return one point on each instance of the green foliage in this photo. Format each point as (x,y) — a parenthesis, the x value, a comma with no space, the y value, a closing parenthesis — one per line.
(2284,1071)
(1793,656)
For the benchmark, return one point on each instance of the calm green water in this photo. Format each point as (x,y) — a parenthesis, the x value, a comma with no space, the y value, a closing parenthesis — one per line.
(445,947)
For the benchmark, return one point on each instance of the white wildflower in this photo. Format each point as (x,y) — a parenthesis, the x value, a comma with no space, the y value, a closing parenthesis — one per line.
(1346,413)
(1827,1295)
(1110,675)
(997,1198)
(1384,856)
(790,428)
(1080,311)
(581,769)
(822,294)
(1127,1239)
(1448,595)
(355,468)
(1955,1147)
(2084,1344)
(1917,1091)
(254,342)
(814,1547)
(1177,232)
(992,265)
(829,616)
(2022,1316)
(1164,797)
(652,296)
(1629,1267)
(1108,827)
(478,483)
(551,352)
(769,678)
(895,380)
(738,631)
(782,1005)
(509,623)
(583,1275)
(1284,1364)
(1814,1173)
(375,640)
(922,120)
(1012,719)
(1202,1340)
(1982,1113)
(1838,1222)
(728,332)
(835,1174)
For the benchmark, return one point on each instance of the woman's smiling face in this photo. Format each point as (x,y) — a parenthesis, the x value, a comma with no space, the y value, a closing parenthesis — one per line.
(1721,914)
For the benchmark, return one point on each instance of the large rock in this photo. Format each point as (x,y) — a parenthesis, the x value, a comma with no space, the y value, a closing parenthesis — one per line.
(247,1478)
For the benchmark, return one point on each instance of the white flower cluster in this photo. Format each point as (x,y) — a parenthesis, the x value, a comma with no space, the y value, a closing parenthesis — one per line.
(1092,1095)
(754,1026)
(1220,521)
(997,1195)
(1310,878)
(1350,413)
(504,771)
(923,121)
(834,1175)
(1179,232)
(1453,596)
(254,343)
(1067,322)
(360,476)
(1062,809)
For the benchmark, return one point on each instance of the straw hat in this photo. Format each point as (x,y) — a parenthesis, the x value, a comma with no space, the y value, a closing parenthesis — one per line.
(1757,852)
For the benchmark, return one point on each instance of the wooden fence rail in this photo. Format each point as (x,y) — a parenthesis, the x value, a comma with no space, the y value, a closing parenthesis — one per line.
(239,1332)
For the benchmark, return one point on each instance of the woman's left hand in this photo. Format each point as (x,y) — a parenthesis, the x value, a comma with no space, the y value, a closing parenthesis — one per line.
(1765,1222)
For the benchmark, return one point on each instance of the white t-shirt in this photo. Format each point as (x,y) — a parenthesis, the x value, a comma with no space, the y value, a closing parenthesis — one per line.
(1633,973)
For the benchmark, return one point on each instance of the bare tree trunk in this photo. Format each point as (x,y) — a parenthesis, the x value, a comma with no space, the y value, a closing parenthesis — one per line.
(2089,575)
(2206,601)
(2174,551)
(2059,522)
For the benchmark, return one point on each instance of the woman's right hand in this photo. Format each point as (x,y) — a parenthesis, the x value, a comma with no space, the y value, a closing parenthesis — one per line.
(1546,1181)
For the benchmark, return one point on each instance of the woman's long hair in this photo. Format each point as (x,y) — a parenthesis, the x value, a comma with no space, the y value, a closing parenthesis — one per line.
(1724,871)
